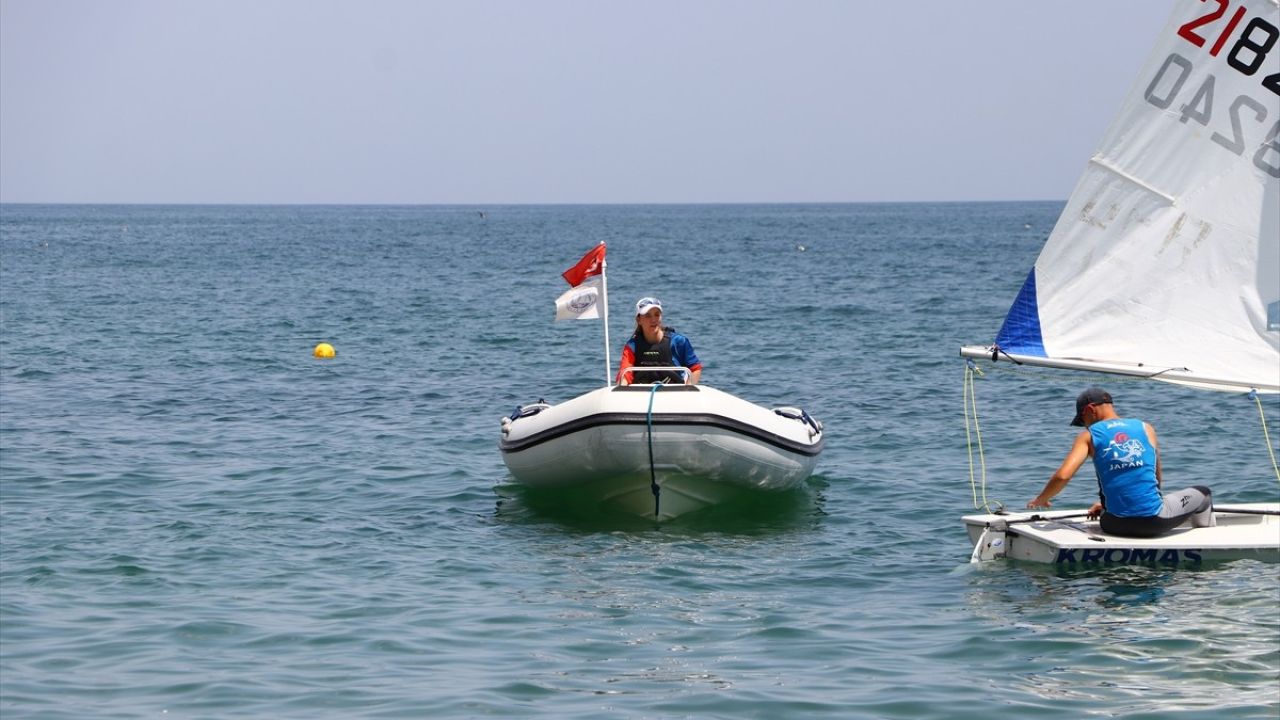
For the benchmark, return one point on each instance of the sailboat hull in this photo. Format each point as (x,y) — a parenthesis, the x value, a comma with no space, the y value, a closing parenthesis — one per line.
(1064,538)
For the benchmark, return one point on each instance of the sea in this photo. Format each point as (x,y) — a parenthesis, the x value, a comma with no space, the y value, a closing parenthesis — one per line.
(200,519)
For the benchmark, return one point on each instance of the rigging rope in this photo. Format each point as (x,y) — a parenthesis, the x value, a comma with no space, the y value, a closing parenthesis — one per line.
(971,405)
(1253,395)
(971,401)
(653,475)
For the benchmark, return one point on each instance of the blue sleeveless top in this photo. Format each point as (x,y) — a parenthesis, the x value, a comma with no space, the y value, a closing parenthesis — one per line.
(1125,462)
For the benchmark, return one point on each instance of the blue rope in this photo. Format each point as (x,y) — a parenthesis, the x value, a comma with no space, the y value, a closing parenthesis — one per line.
(653,475)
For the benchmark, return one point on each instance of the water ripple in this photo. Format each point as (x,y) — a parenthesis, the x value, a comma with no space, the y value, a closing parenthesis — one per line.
(199,519)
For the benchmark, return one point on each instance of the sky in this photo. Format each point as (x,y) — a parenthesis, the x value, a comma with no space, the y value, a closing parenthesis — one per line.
(559,101)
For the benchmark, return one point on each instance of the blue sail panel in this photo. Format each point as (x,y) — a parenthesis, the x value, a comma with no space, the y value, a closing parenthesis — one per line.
(1020,333)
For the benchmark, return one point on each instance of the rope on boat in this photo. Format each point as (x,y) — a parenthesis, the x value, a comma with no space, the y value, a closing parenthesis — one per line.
(971,421)
(653,475)
(1253,395)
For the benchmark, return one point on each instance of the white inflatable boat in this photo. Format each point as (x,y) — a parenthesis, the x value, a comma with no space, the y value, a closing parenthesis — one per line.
(659,451)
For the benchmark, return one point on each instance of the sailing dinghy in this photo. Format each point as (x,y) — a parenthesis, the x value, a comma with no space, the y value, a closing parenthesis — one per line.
(652,449)
(1165,264)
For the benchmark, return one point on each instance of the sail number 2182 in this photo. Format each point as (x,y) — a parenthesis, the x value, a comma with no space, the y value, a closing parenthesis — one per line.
(1249,51)
(1247,55)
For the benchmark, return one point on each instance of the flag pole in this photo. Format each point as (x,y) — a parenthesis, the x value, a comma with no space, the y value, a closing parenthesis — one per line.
(604,302)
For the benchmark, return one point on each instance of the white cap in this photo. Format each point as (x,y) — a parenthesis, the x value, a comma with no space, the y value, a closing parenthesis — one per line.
(645,304)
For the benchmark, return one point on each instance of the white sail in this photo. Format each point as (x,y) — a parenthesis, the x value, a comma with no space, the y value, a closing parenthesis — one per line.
(1166,260)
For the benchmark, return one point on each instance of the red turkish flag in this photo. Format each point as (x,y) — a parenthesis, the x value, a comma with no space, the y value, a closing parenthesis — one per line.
(590,264)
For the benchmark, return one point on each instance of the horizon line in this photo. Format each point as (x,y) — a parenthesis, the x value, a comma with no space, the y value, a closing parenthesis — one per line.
(519,204)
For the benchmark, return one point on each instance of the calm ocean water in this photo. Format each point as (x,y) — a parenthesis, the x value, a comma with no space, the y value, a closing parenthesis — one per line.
(200,520)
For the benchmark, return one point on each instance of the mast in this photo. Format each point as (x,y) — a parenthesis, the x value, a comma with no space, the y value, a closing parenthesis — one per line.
(604,307)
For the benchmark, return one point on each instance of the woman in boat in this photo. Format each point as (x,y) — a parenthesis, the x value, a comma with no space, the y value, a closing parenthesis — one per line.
(655,345)
(1126,458)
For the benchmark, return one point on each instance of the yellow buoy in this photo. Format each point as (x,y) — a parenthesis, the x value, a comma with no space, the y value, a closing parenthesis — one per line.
(323,351)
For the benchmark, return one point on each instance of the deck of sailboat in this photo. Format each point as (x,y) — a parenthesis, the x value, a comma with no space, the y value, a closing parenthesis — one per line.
(1248,530)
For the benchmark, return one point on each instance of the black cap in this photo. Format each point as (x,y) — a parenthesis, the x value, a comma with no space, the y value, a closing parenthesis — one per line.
(1093,396)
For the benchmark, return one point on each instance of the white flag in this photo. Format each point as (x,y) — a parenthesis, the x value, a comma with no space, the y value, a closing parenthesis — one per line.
(581,302)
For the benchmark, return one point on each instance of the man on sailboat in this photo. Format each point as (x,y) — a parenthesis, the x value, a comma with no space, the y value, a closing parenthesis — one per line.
(1126,458)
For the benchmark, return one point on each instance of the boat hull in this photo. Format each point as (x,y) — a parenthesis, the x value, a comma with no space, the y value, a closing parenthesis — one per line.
(707,447)
(1065,538)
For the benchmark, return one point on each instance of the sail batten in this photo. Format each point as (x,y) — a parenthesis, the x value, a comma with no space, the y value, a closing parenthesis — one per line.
(1165,262)
(1106,164)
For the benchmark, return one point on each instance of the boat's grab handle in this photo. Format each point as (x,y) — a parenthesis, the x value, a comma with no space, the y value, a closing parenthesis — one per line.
(680,369)
(527,410)
(795,413)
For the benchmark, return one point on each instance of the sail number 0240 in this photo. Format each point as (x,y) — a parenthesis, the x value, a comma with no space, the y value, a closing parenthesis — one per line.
(1246,56)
